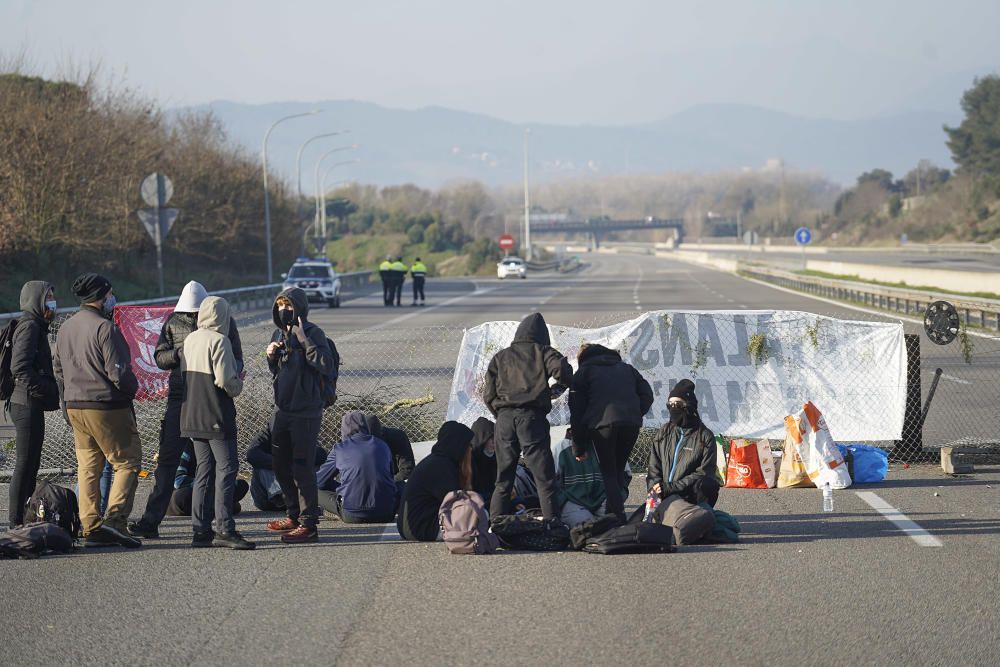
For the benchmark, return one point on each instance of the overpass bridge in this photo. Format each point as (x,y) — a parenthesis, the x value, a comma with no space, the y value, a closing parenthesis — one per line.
(599,228)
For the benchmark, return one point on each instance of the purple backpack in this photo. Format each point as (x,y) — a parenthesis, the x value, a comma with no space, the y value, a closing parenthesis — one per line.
(466,524)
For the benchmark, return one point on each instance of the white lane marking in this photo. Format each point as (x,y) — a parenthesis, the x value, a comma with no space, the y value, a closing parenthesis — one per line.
(390,533)
(402,318)
(901,521)
(954,379)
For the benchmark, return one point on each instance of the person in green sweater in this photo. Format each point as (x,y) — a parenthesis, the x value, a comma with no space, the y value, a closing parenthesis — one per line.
(582,493)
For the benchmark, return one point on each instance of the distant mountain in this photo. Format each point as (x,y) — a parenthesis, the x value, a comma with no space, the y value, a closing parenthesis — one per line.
(432,146)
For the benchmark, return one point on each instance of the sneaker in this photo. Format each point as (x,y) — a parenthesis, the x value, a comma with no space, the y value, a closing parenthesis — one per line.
(122,538)
(136,529)
(99,537)
(301,535)
(232,540)
(203,539)
(283,525)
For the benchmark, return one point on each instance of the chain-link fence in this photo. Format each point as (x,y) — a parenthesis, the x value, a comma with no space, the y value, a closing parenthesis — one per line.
(406,376)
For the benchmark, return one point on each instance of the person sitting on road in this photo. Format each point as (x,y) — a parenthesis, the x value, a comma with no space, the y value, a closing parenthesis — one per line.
(582,484)
(399,445)
(682,458)
(447,468)
(484,459)
(180,499)
(264,488)
(356,481)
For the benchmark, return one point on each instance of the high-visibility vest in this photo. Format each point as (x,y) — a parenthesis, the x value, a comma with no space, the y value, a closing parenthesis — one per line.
(385,266)
(399,266)
(418,270)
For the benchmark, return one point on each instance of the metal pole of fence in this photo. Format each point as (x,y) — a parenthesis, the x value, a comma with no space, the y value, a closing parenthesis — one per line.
(912,443)
(930,397)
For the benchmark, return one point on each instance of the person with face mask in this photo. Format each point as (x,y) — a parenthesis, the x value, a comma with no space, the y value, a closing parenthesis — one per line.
(35,390)
(94,367)
(682,458)
(484,458)
(300,361)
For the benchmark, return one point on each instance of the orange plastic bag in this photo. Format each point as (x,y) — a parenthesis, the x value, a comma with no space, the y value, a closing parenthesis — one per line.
(744,469)
(792,473)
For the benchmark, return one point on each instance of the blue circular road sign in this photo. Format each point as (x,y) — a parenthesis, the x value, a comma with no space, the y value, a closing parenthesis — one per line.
(803,236)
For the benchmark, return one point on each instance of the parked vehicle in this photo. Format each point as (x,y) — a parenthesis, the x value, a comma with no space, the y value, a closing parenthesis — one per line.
(317,278)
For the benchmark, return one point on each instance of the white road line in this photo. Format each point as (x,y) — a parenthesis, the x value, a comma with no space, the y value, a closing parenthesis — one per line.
(901,521)
(390,534)
(954,379)
(402,318)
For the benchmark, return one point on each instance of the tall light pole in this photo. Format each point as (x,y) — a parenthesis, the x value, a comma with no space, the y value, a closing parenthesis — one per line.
(298,178)
(322,197)
(322,231)
(527,207)
(267,200)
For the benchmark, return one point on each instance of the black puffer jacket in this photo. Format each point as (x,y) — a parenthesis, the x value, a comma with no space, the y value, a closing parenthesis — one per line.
(518,376)
(432,479)
(693,449)
(605,391)
(484,468)
(399,444)
(171,340)
(31,356)
(299,369)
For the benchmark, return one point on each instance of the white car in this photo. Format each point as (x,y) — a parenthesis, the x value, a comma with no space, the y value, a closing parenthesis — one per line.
(512,267)
(316,278)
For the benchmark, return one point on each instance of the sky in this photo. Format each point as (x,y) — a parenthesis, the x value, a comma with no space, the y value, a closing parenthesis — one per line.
(580,62)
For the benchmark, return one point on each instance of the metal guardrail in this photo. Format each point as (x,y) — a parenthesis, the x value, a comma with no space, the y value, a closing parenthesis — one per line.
(984,313)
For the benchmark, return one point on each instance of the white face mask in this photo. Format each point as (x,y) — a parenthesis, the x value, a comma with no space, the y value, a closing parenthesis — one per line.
(51,305)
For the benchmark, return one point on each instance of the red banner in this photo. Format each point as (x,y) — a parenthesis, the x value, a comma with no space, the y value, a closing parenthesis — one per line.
(141,327)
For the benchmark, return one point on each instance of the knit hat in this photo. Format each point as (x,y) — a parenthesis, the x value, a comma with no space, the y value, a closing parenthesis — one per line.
(685,389)
(91,287)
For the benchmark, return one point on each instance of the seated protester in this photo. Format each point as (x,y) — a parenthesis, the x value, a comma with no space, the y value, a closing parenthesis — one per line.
(447,468)
(180,499)
(264,488)
(524,495)
(581,483)
(399,444)
(356,480)
(484,459)
(682,458)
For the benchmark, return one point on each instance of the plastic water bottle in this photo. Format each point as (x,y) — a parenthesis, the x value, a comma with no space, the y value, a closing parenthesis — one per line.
(827,498)
(652,502)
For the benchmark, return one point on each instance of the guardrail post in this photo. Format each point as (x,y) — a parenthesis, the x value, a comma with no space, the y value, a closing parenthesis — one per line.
(912,443)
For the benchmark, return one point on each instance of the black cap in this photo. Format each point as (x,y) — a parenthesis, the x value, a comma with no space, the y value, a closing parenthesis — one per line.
(91,287)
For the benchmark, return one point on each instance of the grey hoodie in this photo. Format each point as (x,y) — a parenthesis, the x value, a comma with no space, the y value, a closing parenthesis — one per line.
(31,356)
(211,375)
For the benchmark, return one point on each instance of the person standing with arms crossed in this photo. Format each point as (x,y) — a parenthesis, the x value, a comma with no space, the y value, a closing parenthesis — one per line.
(419,274)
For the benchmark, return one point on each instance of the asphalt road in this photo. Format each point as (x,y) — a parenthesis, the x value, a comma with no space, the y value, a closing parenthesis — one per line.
(801,587)
(910,259)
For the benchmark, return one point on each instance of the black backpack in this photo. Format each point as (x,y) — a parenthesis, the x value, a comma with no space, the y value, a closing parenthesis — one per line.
(35,539)
(641,538)
(328,384)
(6,352)
(585,532)
(529,533)
(54,504)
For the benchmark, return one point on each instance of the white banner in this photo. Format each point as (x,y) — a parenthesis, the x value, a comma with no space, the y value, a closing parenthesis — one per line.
(751,368)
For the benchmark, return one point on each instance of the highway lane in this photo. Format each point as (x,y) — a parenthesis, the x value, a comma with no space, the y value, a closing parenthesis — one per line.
(801,586)
(911,259)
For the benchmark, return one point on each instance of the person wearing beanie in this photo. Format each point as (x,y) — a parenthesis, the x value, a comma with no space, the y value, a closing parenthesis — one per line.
(94,367)
(683,456)
(181,323)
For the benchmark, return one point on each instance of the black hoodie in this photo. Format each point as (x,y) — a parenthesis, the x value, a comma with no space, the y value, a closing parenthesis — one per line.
(30,354)
(432,479)
(484,468)
(606,391)
(518,376)
(299,369)
(399,445)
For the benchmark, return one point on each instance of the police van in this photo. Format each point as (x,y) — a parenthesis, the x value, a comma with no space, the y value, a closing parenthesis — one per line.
(316,278)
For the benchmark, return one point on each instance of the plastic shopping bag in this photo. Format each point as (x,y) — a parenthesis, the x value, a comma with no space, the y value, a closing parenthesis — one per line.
(792,473)
(871,464)
(744,470)
(767,465)
(823,460)
(721,458)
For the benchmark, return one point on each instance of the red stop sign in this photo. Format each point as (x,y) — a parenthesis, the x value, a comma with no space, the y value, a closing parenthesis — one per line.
(506,242)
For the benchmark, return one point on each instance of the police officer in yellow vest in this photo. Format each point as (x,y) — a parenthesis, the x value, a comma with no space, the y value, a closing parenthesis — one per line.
(399,277)
(419,273)
(385,273)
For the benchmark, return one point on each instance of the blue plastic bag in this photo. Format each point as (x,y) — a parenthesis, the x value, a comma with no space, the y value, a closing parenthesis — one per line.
(870,464)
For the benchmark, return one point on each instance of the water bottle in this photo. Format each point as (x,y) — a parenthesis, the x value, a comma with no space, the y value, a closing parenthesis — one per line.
(652,502)
(827,498)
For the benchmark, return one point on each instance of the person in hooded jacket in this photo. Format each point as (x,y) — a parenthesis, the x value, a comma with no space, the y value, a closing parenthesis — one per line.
(356,481)
(301,363)
(399,445)
(208,417)
(607,401)
(444,470)
(682,459)
(484,458)
(35,390)
(167,355)
(517,393)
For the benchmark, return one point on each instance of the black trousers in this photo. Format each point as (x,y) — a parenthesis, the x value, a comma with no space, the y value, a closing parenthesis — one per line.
(524,430)
(294,452)
(418,287)
(613,445)
(29,431)
(705,490)
(386,290)
(398,291)
(169,456)
(180,502)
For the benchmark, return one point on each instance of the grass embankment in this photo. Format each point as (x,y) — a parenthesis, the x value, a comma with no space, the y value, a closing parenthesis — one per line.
(362,252)
(902,284)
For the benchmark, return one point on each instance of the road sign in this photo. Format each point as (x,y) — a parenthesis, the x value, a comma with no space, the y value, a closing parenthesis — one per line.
(158,217)
(156,189)
(750,237)
(803,236)
(506,242)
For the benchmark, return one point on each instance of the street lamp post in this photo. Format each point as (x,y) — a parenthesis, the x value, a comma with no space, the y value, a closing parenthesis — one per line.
(298,178)
(527,209)
(267,199)
(316,219)
(322,196)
